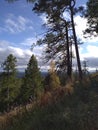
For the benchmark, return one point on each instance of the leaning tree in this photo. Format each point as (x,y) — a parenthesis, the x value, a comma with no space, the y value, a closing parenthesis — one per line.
(59,24)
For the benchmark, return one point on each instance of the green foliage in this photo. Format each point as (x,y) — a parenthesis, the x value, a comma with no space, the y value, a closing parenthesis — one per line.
(58,39)
(56,48)
(9,88)
(77,111)
(9,65)
(32,83)
(63,78)
(92,17)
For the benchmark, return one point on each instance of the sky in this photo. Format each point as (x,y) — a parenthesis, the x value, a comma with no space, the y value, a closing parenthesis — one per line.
(20,27)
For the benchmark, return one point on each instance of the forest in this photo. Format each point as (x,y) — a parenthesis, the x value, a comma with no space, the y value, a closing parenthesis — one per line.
(66,98)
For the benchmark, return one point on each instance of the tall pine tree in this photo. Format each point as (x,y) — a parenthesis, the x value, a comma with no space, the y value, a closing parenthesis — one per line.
(32,85)
(60,24)
(8,84)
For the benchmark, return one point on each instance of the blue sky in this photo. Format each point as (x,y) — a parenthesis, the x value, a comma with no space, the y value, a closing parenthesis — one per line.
(20,28)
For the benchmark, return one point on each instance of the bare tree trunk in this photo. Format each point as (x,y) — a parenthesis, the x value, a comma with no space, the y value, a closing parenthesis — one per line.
(75,40)
(69,66)
(68,56)
(8,93)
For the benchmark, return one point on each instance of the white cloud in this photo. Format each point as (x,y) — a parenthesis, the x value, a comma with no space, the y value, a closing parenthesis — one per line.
(44,18)
(88,51)
(90,55)
(66,16)
(29,41)
(16,51)
(16,24)
(91,51)
(81,25)
(22,55)
(3,43)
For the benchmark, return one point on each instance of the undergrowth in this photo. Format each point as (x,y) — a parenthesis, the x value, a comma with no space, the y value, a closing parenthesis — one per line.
(77,111)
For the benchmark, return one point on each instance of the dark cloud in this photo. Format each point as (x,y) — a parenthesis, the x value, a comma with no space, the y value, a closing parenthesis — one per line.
(92,62)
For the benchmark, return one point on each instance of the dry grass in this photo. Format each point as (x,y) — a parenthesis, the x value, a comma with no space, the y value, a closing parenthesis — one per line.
(46,99)
(52,96)
(7,118)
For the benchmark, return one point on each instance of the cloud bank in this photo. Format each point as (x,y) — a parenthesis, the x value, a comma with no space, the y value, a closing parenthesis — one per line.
(23,55)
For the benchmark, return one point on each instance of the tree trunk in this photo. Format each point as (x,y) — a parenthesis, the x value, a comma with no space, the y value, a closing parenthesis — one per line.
(76,44)
(69,66)
(68,56)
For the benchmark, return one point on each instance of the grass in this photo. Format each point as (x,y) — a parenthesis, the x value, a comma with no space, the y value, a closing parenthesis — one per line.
(77,111)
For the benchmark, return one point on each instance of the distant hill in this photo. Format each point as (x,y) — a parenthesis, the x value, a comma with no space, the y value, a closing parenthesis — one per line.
(21,74)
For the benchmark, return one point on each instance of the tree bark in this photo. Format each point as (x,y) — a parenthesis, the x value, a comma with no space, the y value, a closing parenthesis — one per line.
(69,72)
(75,40)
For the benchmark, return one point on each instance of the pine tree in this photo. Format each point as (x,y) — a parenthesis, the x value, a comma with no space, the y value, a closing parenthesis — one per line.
(58,24)
(32,85)
(9,87)
(92,17)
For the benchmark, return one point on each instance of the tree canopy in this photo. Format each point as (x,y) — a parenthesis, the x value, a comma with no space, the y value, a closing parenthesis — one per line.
(61,31)
(8,82)
(92,17)
(32,83)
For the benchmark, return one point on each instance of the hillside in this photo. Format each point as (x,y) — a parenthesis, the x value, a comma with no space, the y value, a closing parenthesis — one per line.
(70,111)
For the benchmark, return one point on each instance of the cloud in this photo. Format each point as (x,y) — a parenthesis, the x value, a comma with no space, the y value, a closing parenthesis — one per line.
(90,55)
(29,41)
(92,62)
(81,25)
(91,51)
(44,19)
(3,43)
(22,55)
(16,24)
